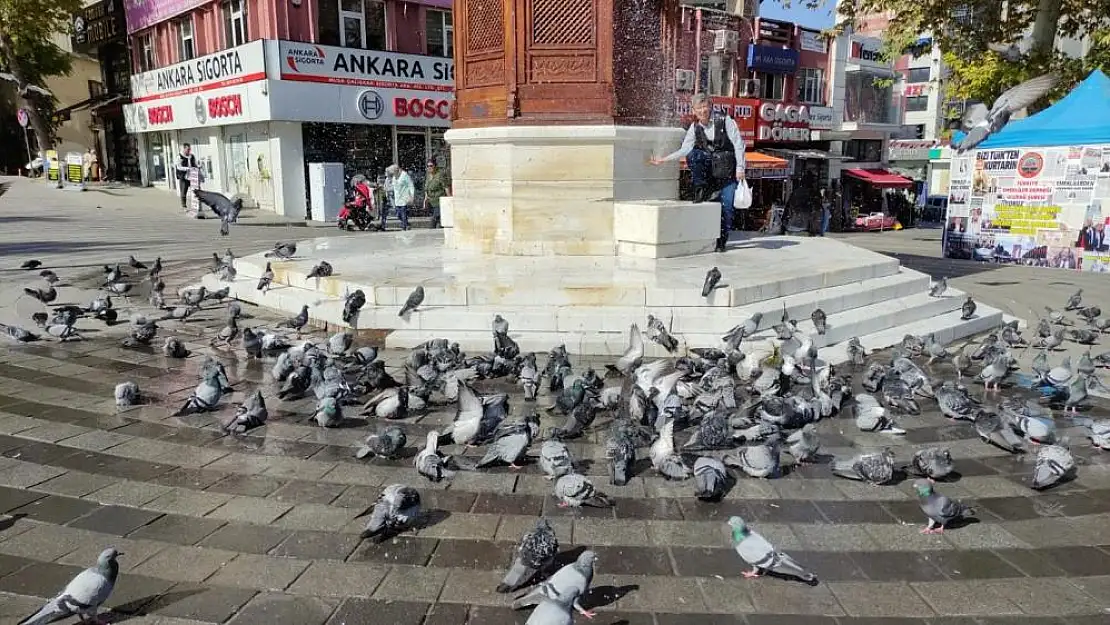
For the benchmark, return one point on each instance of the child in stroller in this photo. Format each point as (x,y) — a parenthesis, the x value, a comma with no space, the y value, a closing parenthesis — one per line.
(358,210)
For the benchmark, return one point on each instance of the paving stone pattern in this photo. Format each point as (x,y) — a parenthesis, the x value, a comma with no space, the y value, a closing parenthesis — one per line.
(263,528)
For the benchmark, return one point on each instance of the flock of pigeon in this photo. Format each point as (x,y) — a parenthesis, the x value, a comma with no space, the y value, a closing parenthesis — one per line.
(739,411)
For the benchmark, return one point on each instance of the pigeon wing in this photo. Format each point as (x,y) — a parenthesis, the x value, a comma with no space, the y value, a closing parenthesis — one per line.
(1025,94)
(975,114)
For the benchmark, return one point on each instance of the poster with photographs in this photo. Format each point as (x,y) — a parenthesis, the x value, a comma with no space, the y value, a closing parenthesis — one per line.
(1041,207)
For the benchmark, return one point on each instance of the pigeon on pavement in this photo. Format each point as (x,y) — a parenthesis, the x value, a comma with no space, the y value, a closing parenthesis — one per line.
(83,595)
(758,552)
(536,551)
(415,299)
(575,577)
(939,509)
(712,278)
(397,509)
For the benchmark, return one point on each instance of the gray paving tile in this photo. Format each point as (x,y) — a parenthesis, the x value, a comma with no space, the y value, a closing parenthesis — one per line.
(177,529)
(54,509)
(268,608)
(245,538)
(201,603)
(115,520)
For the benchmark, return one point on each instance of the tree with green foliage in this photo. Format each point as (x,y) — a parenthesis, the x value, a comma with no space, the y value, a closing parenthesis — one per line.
(992,45)
(28,55)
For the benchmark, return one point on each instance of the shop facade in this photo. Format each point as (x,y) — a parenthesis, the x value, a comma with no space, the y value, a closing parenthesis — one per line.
(257,114)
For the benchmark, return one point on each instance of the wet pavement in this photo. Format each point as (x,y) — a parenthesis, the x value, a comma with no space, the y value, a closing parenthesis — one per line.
(263,528)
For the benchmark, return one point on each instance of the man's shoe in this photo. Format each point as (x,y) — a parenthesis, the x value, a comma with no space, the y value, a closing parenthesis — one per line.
(700,193)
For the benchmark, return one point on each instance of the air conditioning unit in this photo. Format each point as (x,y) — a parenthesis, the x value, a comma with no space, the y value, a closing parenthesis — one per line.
(726,41)
(684,79)
(749,88)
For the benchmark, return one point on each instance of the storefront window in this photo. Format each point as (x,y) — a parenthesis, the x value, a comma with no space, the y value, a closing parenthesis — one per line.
(235,23)
(865,150)
(771,86)
(868,102)
(917,74)
(188,48)
(362,24)
(158,156)
(440,32)
(363,149)
(146,58)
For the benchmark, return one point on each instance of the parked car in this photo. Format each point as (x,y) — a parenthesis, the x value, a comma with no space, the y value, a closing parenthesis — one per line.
(877,221)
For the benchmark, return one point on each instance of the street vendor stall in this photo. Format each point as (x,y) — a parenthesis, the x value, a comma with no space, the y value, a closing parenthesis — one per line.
(1038,192)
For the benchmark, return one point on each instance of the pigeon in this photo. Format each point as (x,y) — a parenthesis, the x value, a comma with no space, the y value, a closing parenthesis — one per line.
(856,354)
(710,479)
(322,269)
(876,468)
(47,295)
(1055,464)
(340,343)
(127,394)
(803,444)
(385,443)
(819,321)
(1054,339)
(49,276)
(996,430)
(31,264)
(1037,430)
(18,334)
(574,490)
(510,443)
(83,595)
(762,555)
(63,332)
(1075,302)
(1099,433)
(252,343)
(995,372)
(415,299)
(980,122)
(1089,314)
(194,297)
(219,295)
(663,456)
(620,453)
(536,551)
(205,397)
(567,585)
(352,304)
(940,510)
(228,333)
(1086,366)
(968,309)
(557,609)
(633,356)
(1076,393)
(759,461)
(657,332)
(954,403)
(298,322)
(1083,336)
(1057,318)
(934,349)
(499,325)
(939,287)
(744,330)
(555,459)
(174,348)
(266,280)
(932,462)
(529,377)
(283,251)
(179,313)
(397,509)
(430,463)
(712,277)
(249,414)
(134,263)
(328,413)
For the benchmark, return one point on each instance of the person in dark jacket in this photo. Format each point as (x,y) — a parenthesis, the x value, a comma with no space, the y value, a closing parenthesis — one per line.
(720,138)
(186,161)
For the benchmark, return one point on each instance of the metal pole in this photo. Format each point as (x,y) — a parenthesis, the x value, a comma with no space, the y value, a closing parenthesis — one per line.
(27,142)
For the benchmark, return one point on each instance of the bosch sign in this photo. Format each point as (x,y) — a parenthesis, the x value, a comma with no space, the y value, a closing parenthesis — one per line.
(225,106)
(428,108)
(159,115)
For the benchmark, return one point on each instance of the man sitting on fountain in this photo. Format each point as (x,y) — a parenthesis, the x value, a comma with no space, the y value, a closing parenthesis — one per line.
(722,140)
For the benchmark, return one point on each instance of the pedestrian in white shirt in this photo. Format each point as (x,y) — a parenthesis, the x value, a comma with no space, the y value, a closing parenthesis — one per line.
(721,139)
(404,192)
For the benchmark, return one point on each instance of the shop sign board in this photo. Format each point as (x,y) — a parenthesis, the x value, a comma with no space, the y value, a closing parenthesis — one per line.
(742,110)
(783,122)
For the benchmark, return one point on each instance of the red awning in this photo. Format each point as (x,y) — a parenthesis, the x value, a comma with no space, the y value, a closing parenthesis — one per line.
(880,178)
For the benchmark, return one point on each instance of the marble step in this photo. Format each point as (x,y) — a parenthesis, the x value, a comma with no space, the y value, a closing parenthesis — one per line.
(680,320)
(878,326)
(637,286)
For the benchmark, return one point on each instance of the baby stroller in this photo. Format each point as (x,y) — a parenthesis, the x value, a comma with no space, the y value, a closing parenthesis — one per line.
(358,209)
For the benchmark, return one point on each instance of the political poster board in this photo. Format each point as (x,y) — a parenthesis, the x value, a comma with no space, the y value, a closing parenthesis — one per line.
(1041,207)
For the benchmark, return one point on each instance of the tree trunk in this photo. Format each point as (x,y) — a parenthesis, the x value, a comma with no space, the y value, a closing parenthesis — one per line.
(1044,28)
(38,124)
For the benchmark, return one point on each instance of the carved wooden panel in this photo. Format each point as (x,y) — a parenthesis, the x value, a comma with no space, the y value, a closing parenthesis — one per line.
(563,69)
(485,26)
(563,22)
(485,73)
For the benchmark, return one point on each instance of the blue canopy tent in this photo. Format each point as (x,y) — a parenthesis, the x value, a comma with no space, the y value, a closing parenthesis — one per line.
(1080,118)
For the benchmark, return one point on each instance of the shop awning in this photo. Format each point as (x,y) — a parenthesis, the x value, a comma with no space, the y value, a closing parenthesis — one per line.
(810,154)
(880,178)
(759,160)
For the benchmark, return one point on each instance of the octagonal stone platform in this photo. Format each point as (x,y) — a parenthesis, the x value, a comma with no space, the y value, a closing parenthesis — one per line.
(588,302)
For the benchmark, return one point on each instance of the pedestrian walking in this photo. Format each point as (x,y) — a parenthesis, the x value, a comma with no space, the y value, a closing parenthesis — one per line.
(403,193)
(720,138)
(436,185)
(186,162)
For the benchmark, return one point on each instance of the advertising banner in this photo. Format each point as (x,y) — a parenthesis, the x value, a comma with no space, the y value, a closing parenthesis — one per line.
(742,110)
(1041,207)
(143,13)
(307,62)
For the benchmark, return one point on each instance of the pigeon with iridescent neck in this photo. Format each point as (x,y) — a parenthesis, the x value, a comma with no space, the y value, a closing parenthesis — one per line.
(940,510)
(762,556)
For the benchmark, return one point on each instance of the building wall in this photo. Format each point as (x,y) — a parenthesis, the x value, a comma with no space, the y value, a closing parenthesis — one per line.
(75,135)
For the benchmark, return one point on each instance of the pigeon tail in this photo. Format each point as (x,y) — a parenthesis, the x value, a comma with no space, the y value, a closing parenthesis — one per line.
(518,575)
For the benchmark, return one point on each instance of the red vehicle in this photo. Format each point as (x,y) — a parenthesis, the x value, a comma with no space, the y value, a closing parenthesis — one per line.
(358,210)
(877,221)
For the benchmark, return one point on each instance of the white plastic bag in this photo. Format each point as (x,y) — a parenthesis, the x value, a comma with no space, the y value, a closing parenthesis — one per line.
(743,198)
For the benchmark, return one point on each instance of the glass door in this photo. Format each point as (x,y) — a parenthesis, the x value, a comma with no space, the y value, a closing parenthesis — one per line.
(412,156)
(158,155)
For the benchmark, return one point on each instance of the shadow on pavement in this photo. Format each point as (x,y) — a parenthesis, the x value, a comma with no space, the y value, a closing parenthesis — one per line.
(941,267)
